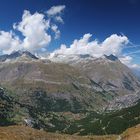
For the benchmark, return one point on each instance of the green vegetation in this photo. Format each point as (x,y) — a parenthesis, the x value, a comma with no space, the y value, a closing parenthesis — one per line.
(83,123)
(107,123)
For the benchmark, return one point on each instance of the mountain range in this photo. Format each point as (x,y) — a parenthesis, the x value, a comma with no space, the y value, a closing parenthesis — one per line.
(75,94)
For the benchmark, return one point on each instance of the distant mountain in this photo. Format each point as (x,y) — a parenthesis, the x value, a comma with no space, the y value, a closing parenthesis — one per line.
(111,57)
(17,54)
(108,74)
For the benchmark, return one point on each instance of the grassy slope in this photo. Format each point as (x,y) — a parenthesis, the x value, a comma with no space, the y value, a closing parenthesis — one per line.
(26,133)
(20,132)
(131,133)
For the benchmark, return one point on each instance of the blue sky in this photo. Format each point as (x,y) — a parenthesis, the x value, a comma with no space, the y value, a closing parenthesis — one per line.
(101,18)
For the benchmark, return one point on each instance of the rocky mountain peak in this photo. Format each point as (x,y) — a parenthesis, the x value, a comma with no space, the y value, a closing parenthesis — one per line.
(17,55)
(75,58)
(111,57)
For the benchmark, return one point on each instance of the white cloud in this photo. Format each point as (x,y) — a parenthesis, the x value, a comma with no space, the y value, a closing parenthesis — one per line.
(128,61)
(135,67)
(59,19)
(34,29)
(114,44)
(111,45)
(9,42)
(56,31)
(54,10)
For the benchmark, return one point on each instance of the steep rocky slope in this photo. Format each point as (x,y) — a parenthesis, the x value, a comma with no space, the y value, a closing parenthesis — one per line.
(61,87)
(74,83)
(108,74)
(107,71)
(57,84)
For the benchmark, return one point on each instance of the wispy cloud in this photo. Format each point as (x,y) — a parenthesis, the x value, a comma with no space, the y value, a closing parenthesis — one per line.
(56,31)
(133,52)
(55,10)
